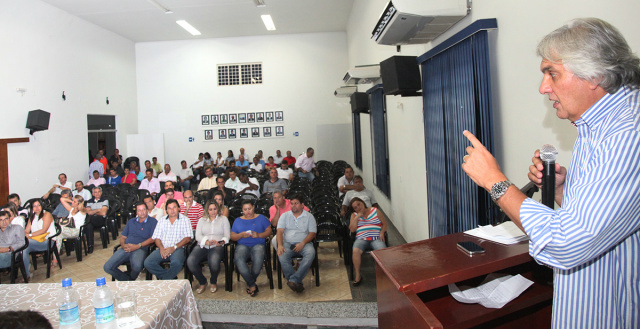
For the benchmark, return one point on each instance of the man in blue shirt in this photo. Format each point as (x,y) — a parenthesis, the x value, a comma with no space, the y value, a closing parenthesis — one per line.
(114,179)
(242,164)
(592,240)
(134,242)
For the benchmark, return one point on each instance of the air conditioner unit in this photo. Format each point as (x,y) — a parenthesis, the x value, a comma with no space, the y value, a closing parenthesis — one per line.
(345,91)
(362,74)
(417,21)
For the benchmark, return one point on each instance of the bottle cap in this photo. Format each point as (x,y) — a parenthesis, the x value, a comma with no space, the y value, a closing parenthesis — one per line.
(66,282)
(100,281)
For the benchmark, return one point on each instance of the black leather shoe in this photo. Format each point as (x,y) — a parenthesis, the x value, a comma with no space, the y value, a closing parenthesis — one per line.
(90,250)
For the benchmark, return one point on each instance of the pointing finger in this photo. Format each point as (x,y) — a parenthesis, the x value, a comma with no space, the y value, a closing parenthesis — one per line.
(474,141)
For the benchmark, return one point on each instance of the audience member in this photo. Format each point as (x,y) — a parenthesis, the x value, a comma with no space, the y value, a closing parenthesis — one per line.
(11,238)
(260,156)
(81,191)
(96,215)
(242,154)
(24,320)
(167,175)
(208,161)
(150,183)
(242,164)
(274,183)
(230,159)
(233,181)
(172,235)
(250,231)
(191,209)
(147,166)
(198,165)
(169,194)
(57,188)
(208,182)
(305,165)
(278,158)
(296,231)
(345,183)
(60,210)
(135,239)
(156,166)
(369,225)
(39,227)
(117,158)
(212,233)
(103,160)
(16,217)
(270,164)
(360,192)
(117,168)
(248,185)
(113,179)
(129,177)
(139,174)
(255,165)
(15,199)
(71,223)
(227,193)
(186,175)
(152,210)
(219,199)
(290,159)
(284,172)
(96,180)
(219,164)
(280,206)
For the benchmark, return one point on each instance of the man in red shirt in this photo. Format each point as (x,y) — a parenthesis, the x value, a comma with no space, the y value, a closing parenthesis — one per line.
(290,160)
(103,159)
(191,209)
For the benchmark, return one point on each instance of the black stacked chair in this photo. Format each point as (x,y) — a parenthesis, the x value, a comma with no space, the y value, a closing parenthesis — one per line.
(52,250)
(127,162)
(228,284)
(76,244)
(17,264)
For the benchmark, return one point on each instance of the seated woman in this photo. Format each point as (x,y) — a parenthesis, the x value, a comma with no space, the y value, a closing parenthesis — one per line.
(369,226)
(40,224)
(71,225)
(270,164)
(16,218)
(212,233)
(208,161)
(250,231)
(219,164)
(219,199)
(129,177)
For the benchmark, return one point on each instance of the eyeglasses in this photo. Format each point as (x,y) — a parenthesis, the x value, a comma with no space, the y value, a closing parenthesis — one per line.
(4,219)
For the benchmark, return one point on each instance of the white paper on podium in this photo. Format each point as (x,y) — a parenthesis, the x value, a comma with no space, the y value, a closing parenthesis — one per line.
(505,233)
(494,292)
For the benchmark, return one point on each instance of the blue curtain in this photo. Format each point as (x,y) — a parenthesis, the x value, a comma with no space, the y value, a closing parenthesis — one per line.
(357,140)
(456,96)
(379,133)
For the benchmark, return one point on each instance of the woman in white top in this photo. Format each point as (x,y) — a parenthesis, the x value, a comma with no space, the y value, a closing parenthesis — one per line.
(71,225)
(212,233)
(219,164)
(40,222)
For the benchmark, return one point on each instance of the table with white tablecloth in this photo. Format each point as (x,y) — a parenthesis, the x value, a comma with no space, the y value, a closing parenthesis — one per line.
(160,304)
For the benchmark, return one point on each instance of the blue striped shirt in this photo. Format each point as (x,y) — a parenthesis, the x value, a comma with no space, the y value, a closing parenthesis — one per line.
(593,241)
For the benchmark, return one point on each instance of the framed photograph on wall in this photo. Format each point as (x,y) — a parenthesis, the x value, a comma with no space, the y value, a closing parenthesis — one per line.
(260,117)
(242,118)
(208,135)
(223,119)
(269,116)
(266,131)
(279,130)
(232,133)
(205,120)
(214,119)
(233,119)
(255,132)
(222,134)
(251,117)
(244,132)
(279,116)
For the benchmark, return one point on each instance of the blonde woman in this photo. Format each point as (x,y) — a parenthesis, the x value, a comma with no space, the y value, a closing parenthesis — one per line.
(212,233)
(71,225)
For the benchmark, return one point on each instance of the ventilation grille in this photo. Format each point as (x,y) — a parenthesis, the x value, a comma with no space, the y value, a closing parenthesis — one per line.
(239,74)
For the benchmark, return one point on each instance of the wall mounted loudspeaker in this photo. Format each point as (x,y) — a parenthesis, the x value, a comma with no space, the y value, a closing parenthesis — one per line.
(400,76)
(359,102)
(37,120)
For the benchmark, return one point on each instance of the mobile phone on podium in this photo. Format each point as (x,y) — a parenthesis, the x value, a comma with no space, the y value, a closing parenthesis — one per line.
(470,248)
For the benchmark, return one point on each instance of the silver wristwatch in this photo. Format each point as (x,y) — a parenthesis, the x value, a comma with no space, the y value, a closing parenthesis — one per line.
(499,189)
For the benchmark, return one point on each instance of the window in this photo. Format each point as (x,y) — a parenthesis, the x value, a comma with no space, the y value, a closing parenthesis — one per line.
(379,136)
(239,74)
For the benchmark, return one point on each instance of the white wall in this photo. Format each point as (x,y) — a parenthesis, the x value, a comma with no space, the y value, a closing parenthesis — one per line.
(177,83)
(524,120)
(48,51)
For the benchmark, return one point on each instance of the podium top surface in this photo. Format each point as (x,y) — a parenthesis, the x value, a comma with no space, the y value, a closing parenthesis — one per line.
(424,265)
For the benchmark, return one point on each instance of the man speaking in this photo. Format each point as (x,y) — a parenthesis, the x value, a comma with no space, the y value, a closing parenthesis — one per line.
(592,241)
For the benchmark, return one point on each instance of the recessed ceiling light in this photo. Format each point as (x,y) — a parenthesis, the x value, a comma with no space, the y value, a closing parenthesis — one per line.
(188,27)
(268,22)
(260,3)
(161,7)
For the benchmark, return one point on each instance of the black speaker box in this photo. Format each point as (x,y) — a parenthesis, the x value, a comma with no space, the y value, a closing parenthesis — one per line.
(400,76)
(38,120)
(359,102)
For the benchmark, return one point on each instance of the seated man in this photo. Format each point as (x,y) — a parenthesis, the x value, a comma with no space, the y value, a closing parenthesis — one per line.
(172,235)
(256,165)
(277,159)
(105,162)
(150,183)
(60,210)
(154,212)
(134,242)
(139,173)
(290,159)
(198,165)
(296,231)
(242,164)
(227,193)
(117,168)
(147,166)
(15,199)
(167,175)
(156,166)
(185,176)
(274,183)
(280,206)
(57,188)
(96,165)
(81,191)
(345,183)
(305,165)
(208,182)
(129,177)
(191,209)
(96,215)
(117,158)
(113,179)
(169,194)
(248,185)
(358,191)
(96,180)
(11,238)
(233,181)
(284,172)
(176,195)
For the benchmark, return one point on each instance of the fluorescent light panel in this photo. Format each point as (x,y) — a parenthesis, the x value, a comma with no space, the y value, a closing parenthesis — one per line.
(268,22)
(161,7)
(188,27)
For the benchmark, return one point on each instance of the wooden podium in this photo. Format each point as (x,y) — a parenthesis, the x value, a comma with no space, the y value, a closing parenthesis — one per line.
(412,284)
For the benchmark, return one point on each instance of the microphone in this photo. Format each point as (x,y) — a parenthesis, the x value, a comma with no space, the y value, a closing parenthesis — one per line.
(548,155)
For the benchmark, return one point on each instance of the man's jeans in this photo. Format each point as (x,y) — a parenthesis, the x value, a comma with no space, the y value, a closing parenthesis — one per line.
(152,263)
(213,256)
(308,254)
(309,175)
(186,185)
(242,255)
(135,258)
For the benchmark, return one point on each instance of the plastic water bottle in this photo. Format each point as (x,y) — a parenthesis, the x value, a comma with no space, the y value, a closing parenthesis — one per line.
(68,306)
(103,305)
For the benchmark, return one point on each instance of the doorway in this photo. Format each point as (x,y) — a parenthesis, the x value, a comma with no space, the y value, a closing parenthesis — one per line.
(101,134)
